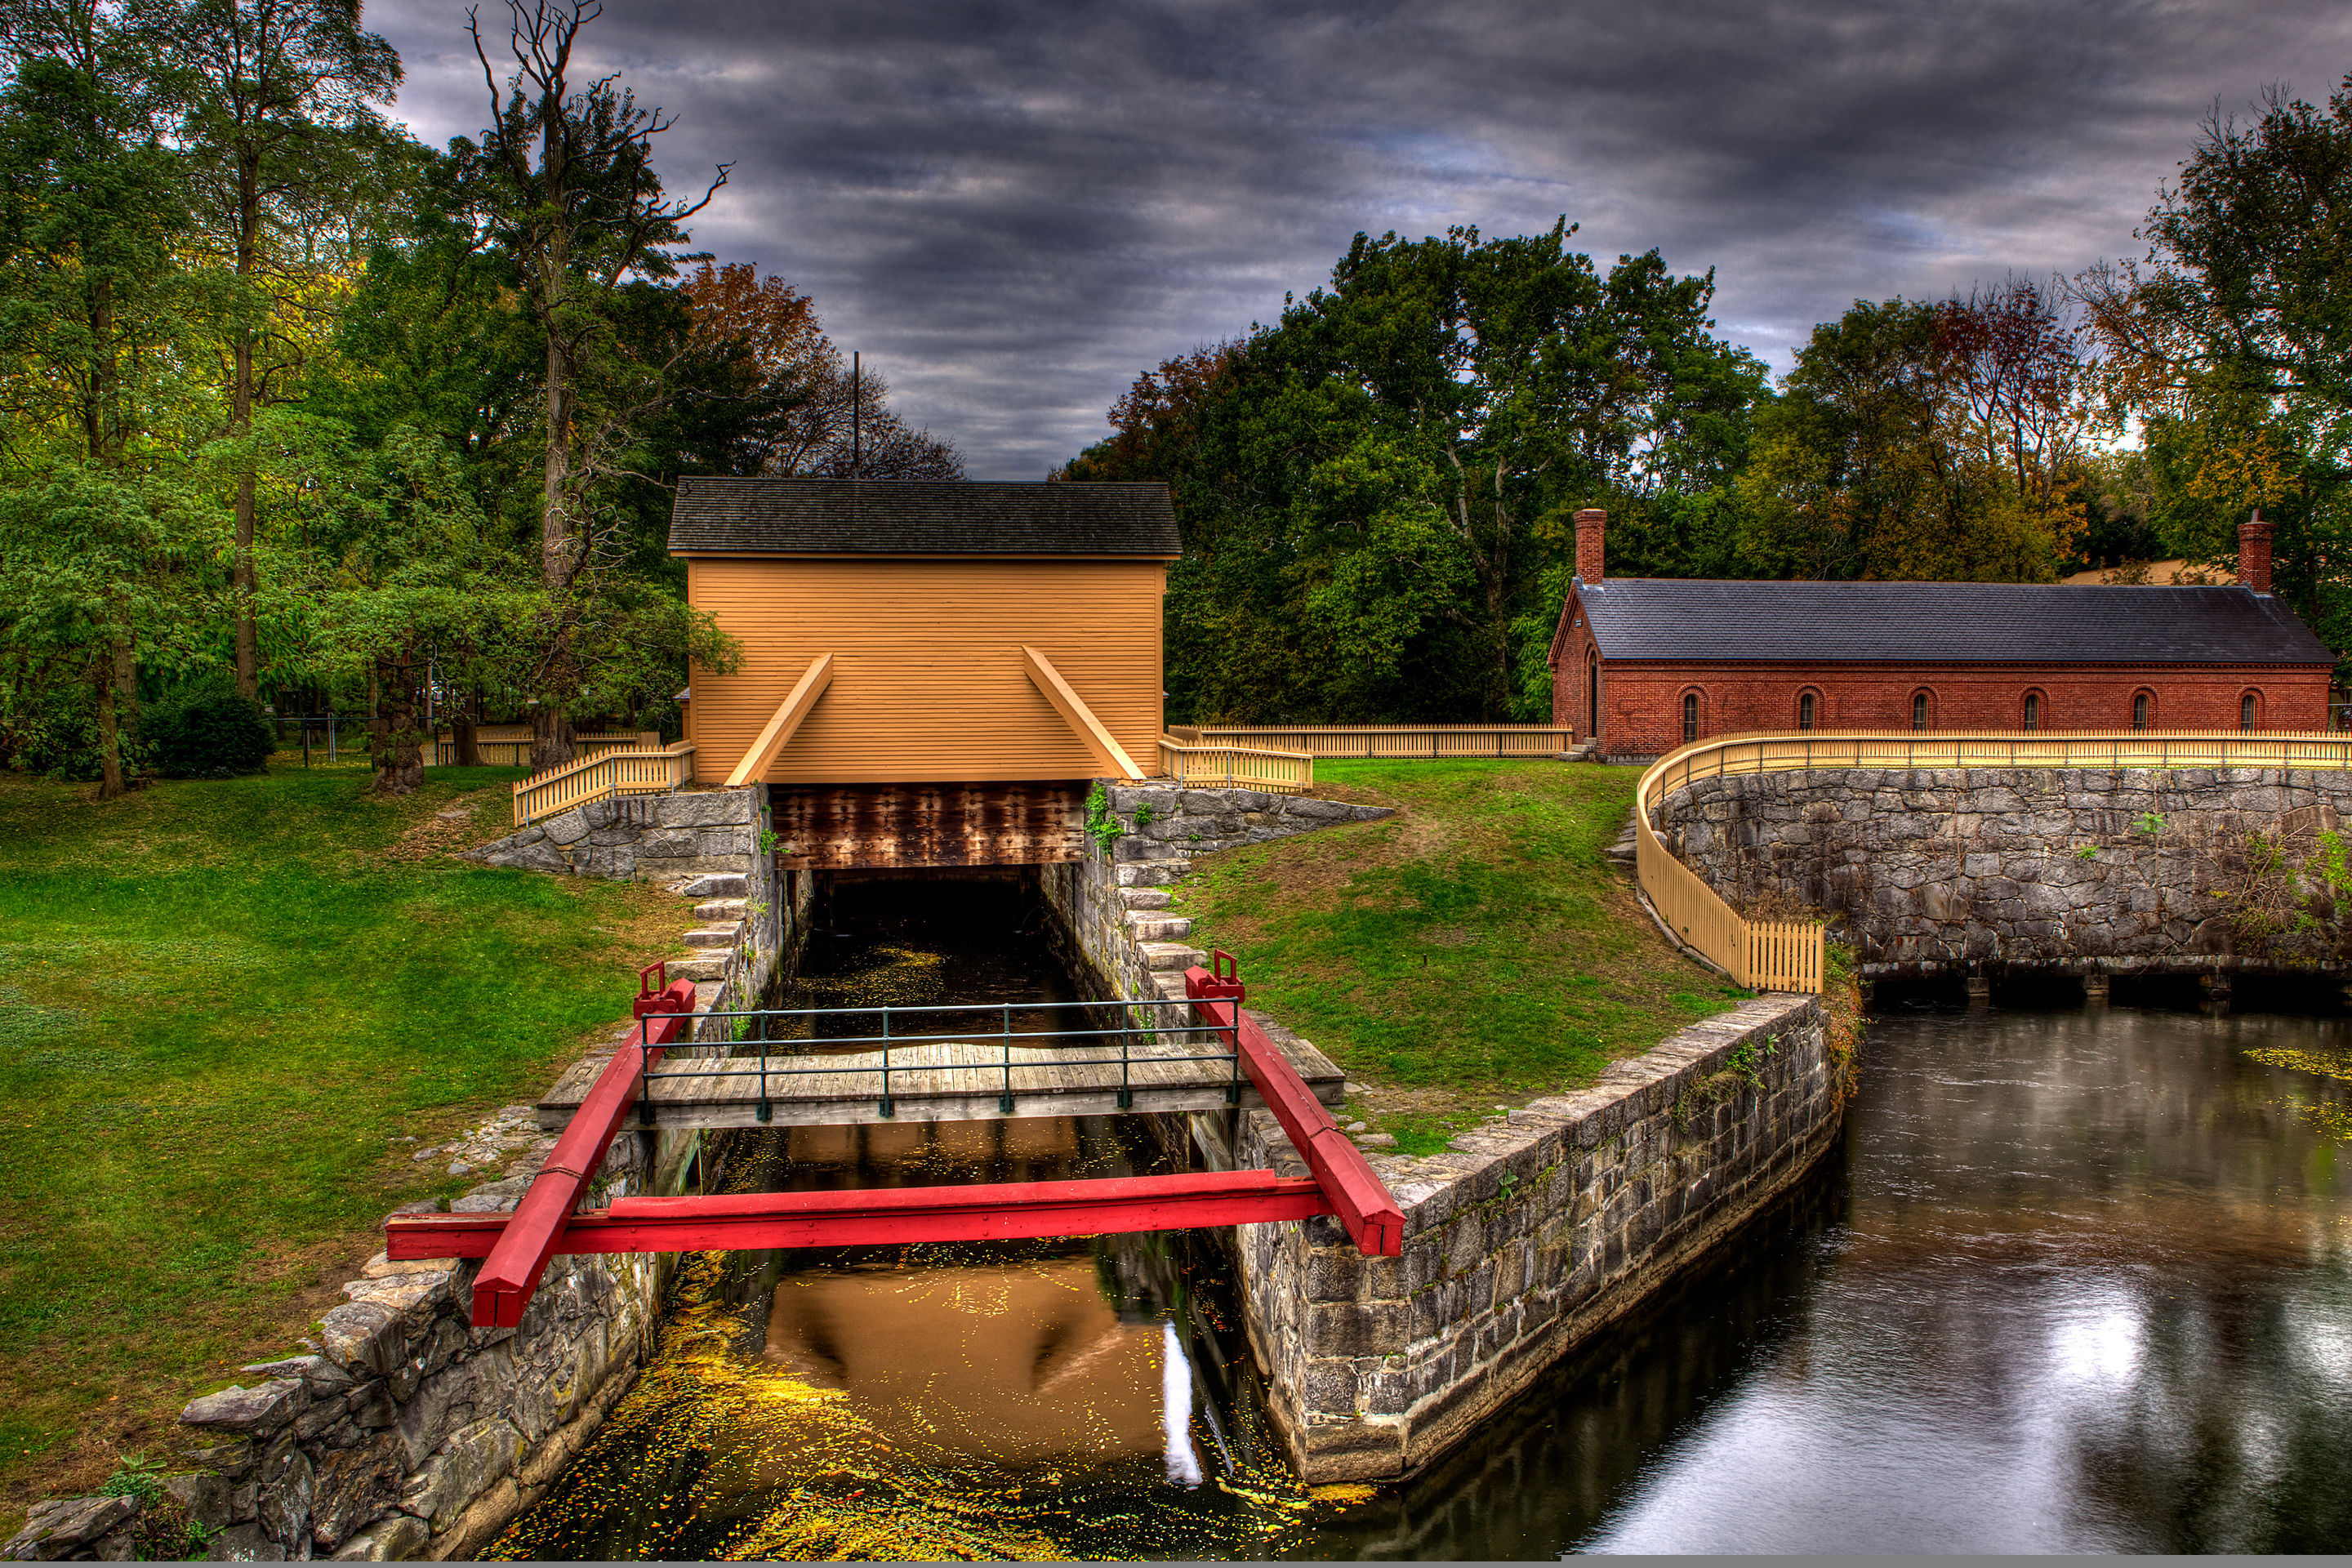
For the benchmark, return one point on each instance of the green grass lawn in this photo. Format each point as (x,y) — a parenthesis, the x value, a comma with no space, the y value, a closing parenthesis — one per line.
(220,1005)
(1472,950)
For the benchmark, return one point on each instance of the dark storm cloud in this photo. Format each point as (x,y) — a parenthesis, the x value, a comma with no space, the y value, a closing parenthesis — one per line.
(1013,209)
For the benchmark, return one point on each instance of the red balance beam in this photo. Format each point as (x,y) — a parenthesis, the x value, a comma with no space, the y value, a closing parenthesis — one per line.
(883,1216)
(534,1233)
(1360,1199)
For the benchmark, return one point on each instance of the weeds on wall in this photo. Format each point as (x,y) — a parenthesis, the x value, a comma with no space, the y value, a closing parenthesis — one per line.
(1102,823)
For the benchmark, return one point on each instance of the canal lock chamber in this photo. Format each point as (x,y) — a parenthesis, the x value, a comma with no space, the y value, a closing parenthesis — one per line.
(1038,1398)
(2077,1276)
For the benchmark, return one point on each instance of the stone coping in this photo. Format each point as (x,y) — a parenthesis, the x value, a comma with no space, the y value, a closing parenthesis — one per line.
(1470,1170)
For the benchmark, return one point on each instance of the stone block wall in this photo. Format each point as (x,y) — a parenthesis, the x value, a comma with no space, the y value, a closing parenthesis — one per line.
(644,839)
(2077,869)
(403,1432)
(1183,822)
(1523,1240)
(400,1431)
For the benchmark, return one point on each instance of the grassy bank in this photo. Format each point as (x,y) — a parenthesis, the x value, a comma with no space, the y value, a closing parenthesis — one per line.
(221,1003)
(1474,951)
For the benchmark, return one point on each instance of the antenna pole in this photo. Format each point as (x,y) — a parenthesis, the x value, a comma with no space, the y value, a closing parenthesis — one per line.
(856,396)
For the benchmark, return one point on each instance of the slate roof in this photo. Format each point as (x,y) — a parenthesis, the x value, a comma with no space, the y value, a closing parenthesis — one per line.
(909,517)
(1943,622)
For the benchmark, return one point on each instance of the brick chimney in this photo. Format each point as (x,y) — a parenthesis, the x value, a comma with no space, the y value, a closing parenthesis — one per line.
(2253,553)
(1592,522)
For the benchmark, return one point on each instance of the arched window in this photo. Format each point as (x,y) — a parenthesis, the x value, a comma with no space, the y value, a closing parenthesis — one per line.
(1805,709)
(1690,717)
(2143,709)
(2250,710)
(1923,709)
(1592,695)
(2032,716)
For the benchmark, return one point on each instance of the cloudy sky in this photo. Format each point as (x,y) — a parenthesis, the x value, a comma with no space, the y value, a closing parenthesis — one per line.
(1012,207)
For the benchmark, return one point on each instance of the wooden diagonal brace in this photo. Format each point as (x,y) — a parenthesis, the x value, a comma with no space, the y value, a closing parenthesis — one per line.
(1077,715)
(787,718)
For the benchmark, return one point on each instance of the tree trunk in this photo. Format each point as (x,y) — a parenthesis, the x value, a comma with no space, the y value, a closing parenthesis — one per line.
(109,735)
(241,396)
(397,740)
(550,738)
(469,748)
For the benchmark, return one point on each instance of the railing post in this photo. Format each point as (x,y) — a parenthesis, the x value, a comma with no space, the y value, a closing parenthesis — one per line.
(1004,1100)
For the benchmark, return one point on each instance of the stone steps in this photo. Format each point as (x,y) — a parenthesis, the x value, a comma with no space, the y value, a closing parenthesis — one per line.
(1145,897)
(1161,957)
(1170,983)
(712,936)
(1622,853)
(716,885)
(717,909)
(1582,751)
(1151,926)
(709,964)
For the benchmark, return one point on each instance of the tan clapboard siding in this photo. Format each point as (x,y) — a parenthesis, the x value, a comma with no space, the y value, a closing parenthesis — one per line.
(928,679)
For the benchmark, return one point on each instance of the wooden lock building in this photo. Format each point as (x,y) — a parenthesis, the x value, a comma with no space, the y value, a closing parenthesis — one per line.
(931,671)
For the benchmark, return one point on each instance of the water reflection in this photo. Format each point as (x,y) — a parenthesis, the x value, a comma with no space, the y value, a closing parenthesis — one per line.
(2081,1285)
(1025,1400)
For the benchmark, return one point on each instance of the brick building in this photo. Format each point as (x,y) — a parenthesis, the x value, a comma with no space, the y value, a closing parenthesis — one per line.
(1648,664)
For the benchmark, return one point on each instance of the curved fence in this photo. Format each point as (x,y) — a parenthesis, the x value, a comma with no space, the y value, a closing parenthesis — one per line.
(606,772)
(1253,767)
(1777,955)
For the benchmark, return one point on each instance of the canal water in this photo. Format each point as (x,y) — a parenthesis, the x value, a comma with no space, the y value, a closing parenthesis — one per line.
(2080,1279)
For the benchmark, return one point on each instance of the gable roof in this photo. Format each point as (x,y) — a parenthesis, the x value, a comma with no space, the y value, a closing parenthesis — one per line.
(911,517)
(1942,623)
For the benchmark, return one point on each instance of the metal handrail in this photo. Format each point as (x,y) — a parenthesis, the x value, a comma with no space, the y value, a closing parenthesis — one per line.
(1003,1038)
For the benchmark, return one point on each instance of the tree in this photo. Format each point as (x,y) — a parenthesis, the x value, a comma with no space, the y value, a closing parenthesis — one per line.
(804,412)
(102,563)
(284,137)
(1924,442)
(1372,489)
(2230,342)
(567,188)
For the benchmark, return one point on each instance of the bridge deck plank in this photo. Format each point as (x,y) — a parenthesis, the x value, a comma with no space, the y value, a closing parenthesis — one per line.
(949,1082)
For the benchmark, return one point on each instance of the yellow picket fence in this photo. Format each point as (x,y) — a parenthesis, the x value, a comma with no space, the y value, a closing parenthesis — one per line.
(1251,767)
(508,745)
(1399,741)
(607,773)
(1788,957)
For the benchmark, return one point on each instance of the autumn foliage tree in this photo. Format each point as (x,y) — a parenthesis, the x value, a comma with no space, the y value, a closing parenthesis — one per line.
(2229,340)
(807,412)
(1925,442)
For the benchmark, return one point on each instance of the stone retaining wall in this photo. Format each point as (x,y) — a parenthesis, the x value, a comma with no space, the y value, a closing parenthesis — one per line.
(403,1432)
(1183,822)
(400,1431)
(2079,869)
(643,838)
(1525,1239)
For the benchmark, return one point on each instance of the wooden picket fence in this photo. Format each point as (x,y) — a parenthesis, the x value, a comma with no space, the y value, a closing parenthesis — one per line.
(508,745)
(1398,741)
(608,772)
(1251,767)
(1780,956)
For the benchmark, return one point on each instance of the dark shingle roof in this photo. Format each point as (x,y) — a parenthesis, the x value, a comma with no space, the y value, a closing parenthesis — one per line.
(1944,622)
(903,517)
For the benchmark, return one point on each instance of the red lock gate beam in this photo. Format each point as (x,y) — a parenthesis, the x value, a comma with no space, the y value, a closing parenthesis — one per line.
(517,1248)
(1360,1199)
(887,1216)
(514,1263)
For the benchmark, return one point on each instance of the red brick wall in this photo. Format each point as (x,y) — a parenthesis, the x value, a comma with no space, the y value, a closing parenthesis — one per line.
(1641,704)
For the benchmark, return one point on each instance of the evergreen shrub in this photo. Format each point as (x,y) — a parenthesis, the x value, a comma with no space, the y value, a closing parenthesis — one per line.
(210,735)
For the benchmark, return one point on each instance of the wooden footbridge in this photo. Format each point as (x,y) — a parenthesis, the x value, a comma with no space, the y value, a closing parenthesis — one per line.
(1200,1052)
(843,1066)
